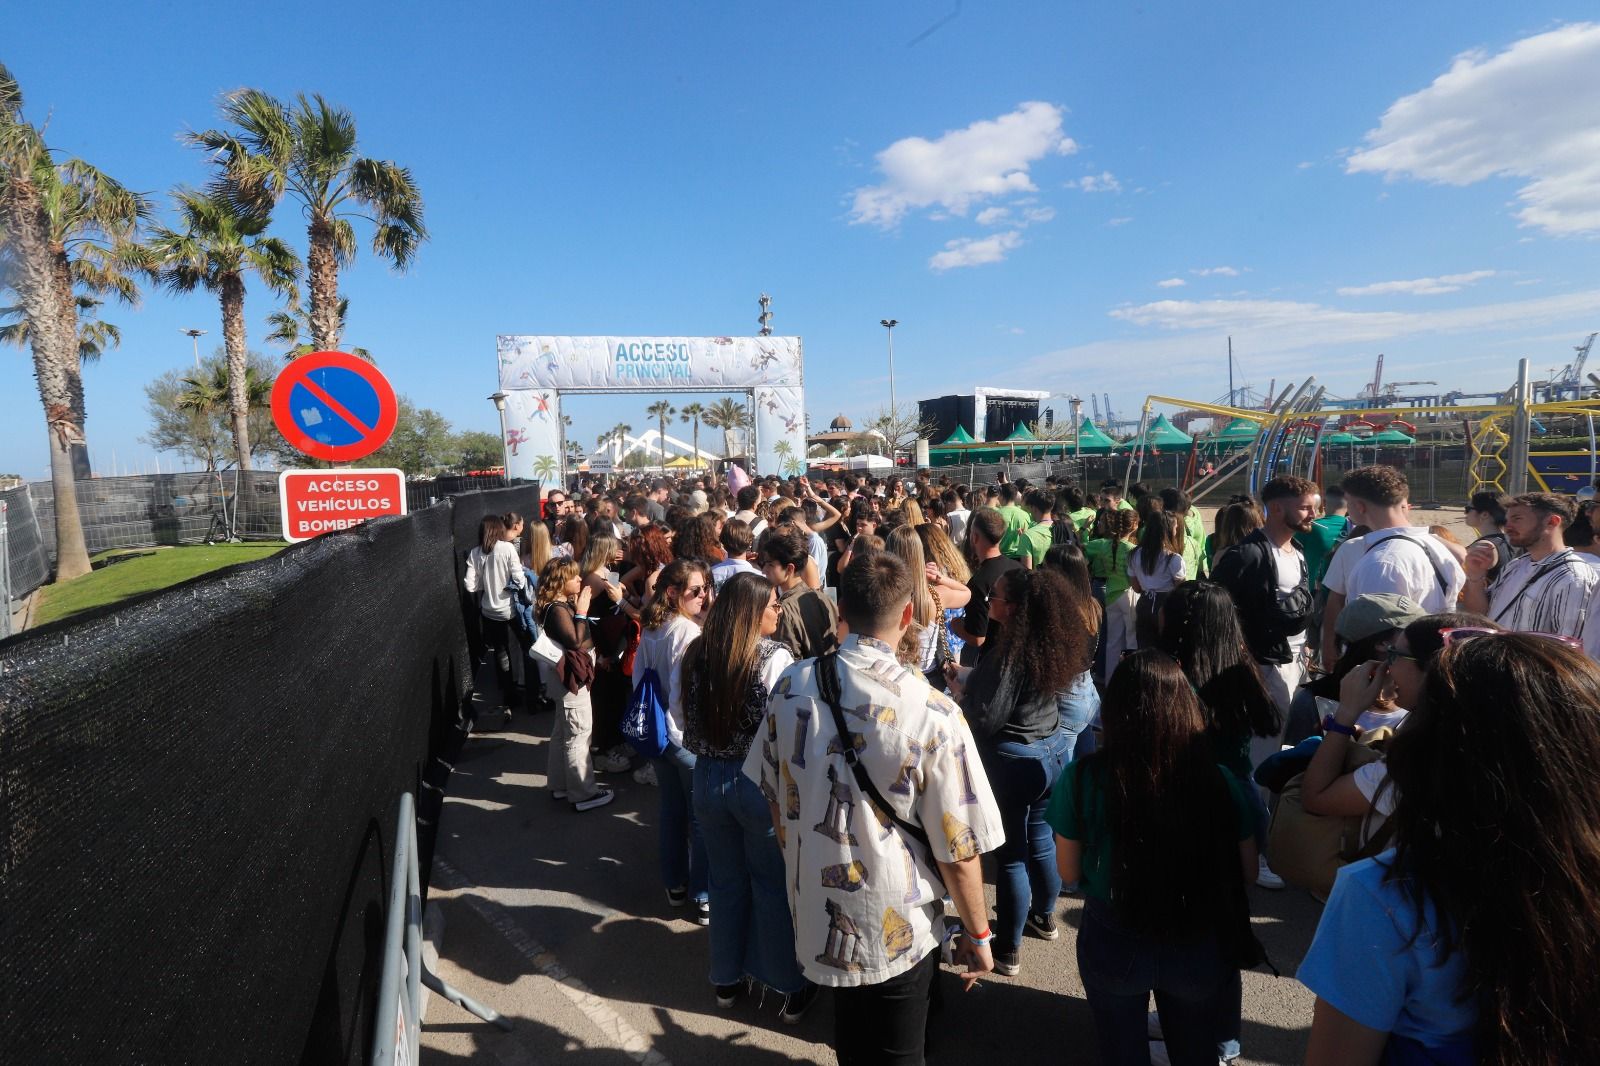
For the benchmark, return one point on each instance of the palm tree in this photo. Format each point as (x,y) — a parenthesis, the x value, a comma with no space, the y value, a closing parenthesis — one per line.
(291,328)
(212,396)
(662,410)
(694,412)
(95,337)
(619,434)
(726,415)
(220,244)
(309,151)
(545,467)
(66,226)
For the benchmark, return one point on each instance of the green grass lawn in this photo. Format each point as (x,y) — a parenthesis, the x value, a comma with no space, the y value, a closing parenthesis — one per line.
(125,572)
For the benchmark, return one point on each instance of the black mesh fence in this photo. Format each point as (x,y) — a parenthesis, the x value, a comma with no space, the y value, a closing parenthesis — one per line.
(425,492)
(987,473)
(197,796)
(142,510)
(28,567)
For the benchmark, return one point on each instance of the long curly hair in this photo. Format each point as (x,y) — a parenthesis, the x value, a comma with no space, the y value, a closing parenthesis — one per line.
(1200,629)
(1043,641)
(698,540)
(649,547)
(1068,560)
(1495,827)
(553,582)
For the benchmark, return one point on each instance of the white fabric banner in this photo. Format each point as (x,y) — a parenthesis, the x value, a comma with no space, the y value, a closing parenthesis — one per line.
(535,370)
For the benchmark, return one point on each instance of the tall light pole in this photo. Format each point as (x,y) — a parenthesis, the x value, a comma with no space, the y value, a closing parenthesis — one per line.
(194,335)
(765,318)
(499,401)
(889,324)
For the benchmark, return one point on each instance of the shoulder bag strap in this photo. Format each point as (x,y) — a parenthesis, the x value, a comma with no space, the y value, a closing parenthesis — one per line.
(829,688)
(1538,576)
(1444,586)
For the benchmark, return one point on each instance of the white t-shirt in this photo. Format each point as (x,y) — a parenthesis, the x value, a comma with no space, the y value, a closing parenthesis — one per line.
(818,549)
(1291,566)
(1368,779)
(957,521)
(1169,571)
(1371,720)
(1378,563)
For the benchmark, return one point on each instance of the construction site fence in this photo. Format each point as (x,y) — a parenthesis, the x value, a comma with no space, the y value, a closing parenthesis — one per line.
(150,510)
(26,564)
(200,790)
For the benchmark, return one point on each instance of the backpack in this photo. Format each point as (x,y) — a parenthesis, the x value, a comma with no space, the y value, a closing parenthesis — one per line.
(1306,849)
(644,719)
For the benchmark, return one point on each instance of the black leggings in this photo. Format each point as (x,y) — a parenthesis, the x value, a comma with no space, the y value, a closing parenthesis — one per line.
(505,652)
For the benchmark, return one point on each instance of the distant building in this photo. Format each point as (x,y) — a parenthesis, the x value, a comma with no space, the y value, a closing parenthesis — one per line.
(840,431)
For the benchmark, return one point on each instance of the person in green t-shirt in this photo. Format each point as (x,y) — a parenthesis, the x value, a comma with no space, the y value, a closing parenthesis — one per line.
(1038,537)
(1111,489)
(1325,533)
(1017,521)
(1183,832)
(1108,554)
(1070,507)
(1195,563)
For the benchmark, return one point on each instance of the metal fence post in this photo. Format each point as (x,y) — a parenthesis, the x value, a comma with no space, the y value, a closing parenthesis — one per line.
(5,569)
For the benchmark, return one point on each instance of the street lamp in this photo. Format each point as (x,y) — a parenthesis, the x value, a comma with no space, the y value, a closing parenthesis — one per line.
(1077,434)
(499,401)
(889,324)
(194,335)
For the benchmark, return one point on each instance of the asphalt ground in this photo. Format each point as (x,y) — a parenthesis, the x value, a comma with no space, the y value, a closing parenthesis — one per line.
(559,921)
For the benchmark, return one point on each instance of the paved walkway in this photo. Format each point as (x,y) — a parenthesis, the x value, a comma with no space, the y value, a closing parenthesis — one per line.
(558,920)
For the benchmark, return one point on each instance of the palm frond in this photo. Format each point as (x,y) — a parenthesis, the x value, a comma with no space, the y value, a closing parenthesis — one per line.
(10,95)
(344,241)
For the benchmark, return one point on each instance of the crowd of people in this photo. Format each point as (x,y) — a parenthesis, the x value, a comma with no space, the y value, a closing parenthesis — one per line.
(869,689)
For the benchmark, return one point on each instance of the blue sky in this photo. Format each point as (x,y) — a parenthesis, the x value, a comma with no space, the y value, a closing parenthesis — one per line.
(1013,182)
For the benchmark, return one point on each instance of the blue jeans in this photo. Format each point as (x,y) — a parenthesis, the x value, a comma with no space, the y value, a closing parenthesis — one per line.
(1078,705)
(1120,968)
(683,853)
(1026,879)
(751,930)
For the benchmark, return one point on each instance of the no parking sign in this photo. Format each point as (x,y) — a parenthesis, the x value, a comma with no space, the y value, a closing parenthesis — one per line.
(334,406)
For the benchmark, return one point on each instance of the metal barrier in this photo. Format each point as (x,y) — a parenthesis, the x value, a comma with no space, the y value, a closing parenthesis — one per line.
(399,1025)
(5,570)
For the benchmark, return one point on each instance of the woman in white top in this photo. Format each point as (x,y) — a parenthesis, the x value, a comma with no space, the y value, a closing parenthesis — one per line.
(670,623)
(492,569)
(1155,568)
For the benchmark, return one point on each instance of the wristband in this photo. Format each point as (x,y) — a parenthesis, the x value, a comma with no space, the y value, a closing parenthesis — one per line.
(980,939)
(1332,725)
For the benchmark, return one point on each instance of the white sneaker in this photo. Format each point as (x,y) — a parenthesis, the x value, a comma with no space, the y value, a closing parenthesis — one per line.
(599,799)
(1265,878)
(646,774)
(612,763)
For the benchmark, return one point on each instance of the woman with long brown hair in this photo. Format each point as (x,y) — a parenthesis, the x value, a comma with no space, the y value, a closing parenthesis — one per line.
(728,674)
(1477,939)
(700,539)
(1155,568)
(1009,700)
(1079,703)
(1161,840)
(562,608)
(615,633)
(670,623)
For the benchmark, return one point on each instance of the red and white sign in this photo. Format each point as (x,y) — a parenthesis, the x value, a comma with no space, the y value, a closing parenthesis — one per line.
(315,502)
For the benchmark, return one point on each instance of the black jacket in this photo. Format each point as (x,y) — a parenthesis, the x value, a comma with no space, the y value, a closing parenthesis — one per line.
(1246,570)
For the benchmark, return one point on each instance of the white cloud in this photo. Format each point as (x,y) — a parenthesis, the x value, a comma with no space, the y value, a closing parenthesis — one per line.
(1038,214)
(1220,272)
(1122,221)
(1419,286)
(1529,112)
(1105,181)
(990,215)
(987,159)
(1307,165)
(975,251)
(1172,283)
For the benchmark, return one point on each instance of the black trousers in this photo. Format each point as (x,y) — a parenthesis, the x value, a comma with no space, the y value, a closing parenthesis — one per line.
(885,1024)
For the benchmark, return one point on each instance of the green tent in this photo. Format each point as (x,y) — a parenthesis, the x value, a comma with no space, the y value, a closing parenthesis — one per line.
(960,436)
(1390,436)
(1162,434)
(1239,431)
(1340,439)
(1092,440)
(1021,433)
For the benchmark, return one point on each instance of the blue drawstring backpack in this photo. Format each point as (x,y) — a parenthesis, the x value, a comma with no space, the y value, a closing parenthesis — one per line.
(644,721)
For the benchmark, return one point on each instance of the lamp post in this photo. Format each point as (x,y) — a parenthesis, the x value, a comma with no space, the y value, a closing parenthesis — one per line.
(1077,431)
(499,401)
(889,324)
(194,335)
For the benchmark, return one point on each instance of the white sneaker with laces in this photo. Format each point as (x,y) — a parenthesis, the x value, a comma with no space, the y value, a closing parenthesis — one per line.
(1265,878)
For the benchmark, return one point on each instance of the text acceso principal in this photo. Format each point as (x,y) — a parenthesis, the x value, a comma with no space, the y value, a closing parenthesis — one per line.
(657,361)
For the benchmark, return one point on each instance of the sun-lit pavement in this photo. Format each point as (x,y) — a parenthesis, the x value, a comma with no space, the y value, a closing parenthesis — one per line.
(558,920)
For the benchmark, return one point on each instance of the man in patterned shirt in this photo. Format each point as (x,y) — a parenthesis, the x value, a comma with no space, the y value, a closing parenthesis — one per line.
(1548,588)
(865,893)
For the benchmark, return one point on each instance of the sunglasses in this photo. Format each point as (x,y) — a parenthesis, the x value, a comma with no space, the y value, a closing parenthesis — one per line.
(1393,655)
(1460,634)
(694,591)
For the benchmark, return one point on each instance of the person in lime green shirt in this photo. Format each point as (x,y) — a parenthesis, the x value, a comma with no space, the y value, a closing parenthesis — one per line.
(1070,505)
(1017,521)
(1111,488)
(1038,538)
(1195,562)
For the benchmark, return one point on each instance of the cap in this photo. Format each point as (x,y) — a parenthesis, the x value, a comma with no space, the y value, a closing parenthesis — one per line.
(697,501)
(1367,616)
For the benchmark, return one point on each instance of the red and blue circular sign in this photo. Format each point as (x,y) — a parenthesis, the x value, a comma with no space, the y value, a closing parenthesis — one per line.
(334,406)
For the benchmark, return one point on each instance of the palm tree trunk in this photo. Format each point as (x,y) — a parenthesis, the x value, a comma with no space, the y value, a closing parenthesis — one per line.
(35,283)
(67,320)
(661,430)
(322,274)
(697,442)
(233,337)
